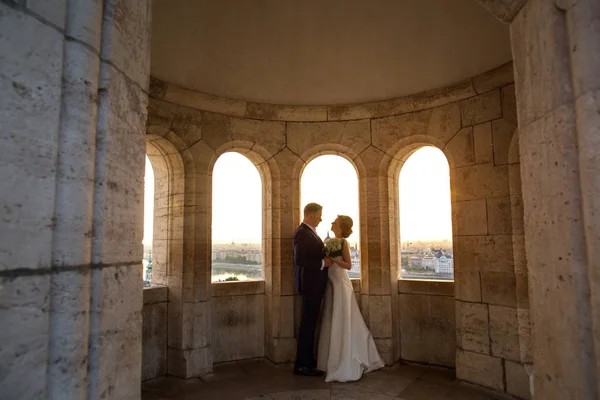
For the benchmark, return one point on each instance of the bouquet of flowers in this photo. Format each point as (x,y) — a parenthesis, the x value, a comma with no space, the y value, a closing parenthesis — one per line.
(333,247)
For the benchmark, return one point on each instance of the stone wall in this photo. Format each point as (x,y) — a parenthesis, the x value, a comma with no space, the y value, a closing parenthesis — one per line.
(154,332)
(477,318)
(238,321)
(427,322)
(73,110)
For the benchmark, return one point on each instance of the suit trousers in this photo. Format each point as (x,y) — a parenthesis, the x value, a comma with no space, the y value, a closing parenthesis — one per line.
(311,308)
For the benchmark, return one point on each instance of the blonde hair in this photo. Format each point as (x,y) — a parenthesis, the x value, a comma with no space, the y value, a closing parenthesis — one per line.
(346,224)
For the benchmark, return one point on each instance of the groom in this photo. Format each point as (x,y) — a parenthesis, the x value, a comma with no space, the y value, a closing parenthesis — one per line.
(310,280)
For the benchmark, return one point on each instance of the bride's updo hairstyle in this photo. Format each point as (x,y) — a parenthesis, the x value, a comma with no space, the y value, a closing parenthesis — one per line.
(345,225)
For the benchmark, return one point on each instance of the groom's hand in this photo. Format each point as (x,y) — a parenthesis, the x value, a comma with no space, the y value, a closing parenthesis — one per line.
(328,262)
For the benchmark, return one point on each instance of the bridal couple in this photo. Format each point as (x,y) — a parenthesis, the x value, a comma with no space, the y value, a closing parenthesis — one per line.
(346,348)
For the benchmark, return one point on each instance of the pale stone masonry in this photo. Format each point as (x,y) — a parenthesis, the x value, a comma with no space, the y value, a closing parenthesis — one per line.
(79,111)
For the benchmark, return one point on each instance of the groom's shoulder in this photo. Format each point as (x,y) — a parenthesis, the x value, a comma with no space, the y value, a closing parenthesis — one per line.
(300,229)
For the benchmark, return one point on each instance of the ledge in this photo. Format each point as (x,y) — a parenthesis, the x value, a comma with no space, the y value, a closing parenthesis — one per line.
(427,287)
(496,78)
(222,289)
(355,284)
(156,294)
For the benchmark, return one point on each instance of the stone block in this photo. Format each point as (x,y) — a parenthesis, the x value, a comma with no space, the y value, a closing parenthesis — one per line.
(480,181)
(439,97)
(32,63)
(496,78)
(472,327)
(540,93)
(525,339)
(480,369)
(443,124)
(160,118)
(267,135)
(187,124)
(437,288)
(470,217)
(499,288)
(386,132)
(305,139)
(517,380)
(482,143)
(121,299)
(156,294)
(216,132)
(126,38)
(467,285)
(519,255)
(517,216)
(379,319)
(484,253)
(276,112)
(369,110)
(188,364)
(286,313)
(522,290)
(460,148)
(386,350)
(201,101)
(482,108)
(53,11)
(120,358)
(499,218)
(281,350)
(504,332)
(502,131)
(154,340)
(238,327)
(24,312)
(121,122)
(202,324)
(509,103)
(427,329)
(85,22)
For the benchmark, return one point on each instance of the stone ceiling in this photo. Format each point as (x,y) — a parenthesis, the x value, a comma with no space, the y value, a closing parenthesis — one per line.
(315,52)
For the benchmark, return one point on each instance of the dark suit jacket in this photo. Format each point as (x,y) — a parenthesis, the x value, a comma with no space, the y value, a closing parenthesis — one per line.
(308,253)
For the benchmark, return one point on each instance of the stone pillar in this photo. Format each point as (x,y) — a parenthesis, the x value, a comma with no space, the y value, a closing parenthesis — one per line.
(556,49)
(378,281)
(73,110)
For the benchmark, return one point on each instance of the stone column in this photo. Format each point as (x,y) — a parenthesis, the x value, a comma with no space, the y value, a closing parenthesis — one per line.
(556,49)
(378,280)
(73,114)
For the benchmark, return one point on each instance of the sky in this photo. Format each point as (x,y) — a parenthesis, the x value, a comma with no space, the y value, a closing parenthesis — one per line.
(424,188)
(332,182)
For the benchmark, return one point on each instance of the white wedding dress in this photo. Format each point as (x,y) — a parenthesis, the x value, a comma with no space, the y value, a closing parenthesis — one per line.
(346,346)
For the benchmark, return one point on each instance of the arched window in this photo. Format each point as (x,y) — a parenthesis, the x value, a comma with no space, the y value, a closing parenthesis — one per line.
(425,216)
(236,220)
(332,182)
(148,222)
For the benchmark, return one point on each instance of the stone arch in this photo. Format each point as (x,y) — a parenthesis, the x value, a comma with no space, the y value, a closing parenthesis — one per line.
(169,194)
(256,155)
(407,147)
(349,155)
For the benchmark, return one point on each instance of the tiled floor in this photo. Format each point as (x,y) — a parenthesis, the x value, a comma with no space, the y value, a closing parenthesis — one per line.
(254,380)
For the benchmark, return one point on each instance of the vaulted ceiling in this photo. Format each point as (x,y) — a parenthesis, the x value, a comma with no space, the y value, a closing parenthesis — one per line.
(323,51)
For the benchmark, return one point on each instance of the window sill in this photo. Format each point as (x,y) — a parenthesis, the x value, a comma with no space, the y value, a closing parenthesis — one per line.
(424,286)
(222,289)
(156,294)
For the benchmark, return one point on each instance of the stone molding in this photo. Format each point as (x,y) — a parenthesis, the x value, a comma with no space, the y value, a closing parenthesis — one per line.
(490,80)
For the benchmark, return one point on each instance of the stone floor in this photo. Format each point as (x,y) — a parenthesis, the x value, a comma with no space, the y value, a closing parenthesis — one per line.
(254,380)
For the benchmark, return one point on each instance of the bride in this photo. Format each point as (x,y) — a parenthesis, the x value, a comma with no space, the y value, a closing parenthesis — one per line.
(346,346)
